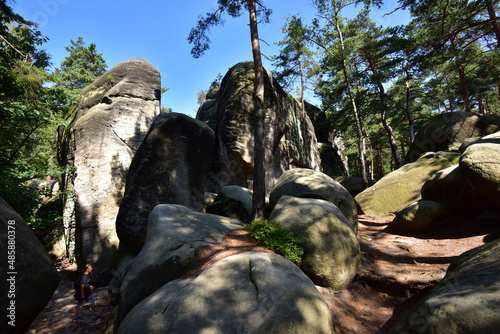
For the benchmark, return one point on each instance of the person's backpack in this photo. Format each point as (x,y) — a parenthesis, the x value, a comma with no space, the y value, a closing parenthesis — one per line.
(77,283)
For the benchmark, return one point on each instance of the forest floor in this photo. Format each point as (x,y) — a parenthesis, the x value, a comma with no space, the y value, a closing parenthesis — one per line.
(395,272)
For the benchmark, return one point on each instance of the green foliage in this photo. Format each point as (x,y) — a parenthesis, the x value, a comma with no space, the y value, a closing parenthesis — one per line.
(31,110)
(278,239)
(198,36)
(444,60)
(49,219)
(28,111)
(80,68)
(295,60)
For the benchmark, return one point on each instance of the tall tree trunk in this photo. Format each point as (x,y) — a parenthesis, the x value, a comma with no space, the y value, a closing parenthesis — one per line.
(463,82)
(409,112)
(402,140)
(496,25)
(463,85)
(302,103)
(495,22)
(383,116)
(259,173)
(361,137)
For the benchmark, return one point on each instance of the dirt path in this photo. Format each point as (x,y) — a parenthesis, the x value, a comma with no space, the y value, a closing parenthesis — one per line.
(395,272)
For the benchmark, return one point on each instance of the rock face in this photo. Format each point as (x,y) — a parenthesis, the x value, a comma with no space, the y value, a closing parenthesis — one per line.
(447,132)
(234,202)
(285,141)
(247,293)
(398,189)
(29,277)
(418,217)
(480,163)
(175,234)
(170,167)
(106,128)
(467,300)
(333,162)
(450,188)
(331,249)
(301,182)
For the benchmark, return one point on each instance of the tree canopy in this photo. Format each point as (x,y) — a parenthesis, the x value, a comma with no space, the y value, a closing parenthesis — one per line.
(378,84)
(201,43)
(32,107)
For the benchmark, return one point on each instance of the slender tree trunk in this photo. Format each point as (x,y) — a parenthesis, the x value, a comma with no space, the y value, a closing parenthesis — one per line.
(383,116)
(496,25)
(463,85)
(495,22)
(259,174)
(302,102)
(463,82)
(361,137)
(409,112)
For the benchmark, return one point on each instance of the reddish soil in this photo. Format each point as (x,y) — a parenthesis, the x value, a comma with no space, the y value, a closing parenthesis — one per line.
(395,272)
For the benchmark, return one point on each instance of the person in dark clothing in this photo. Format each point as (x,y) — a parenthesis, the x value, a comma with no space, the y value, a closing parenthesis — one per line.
(84,292)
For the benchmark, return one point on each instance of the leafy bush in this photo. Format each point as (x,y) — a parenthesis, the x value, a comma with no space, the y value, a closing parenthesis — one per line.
(278,239)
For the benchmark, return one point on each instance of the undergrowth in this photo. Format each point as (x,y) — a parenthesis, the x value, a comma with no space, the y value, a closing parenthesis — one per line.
(278,239)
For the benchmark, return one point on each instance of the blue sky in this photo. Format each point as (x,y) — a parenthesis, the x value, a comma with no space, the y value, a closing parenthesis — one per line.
(157,31)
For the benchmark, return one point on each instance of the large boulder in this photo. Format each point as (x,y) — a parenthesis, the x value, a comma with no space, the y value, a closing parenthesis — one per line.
(480,163)
(302,182)
(467,300)
(447,132)
(331,249)
(398,189)
(331,161)
(450,188)
(170,167)
(105,130)
(29,278)
(253,292)
(285,141)
(419,217)
(207,113)
(175,235)
(353,184)
(234,202)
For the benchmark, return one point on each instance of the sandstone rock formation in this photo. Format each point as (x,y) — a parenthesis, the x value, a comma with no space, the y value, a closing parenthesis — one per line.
(247,293)
(467,300)
(450,188)
(286,144)
(29,277)
(170,167)
(447,132)
(331,249)
(398,189)
(107,126)
(480,164)
(301,182)
(234,202)
(419,217)
(333,162)
(175,234)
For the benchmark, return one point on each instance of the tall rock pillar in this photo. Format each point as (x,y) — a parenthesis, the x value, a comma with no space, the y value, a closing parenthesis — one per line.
(110,121)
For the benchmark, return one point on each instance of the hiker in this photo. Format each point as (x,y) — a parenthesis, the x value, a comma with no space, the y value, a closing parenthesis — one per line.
(84,291)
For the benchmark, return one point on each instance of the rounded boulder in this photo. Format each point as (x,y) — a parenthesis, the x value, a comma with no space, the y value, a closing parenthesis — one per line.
(307,183)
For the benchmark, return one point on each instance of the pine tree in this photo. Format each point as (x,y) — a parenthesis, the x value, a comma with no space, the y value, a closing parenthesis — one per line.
(294,60)
(201,43)
(28,111)
(80,68)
